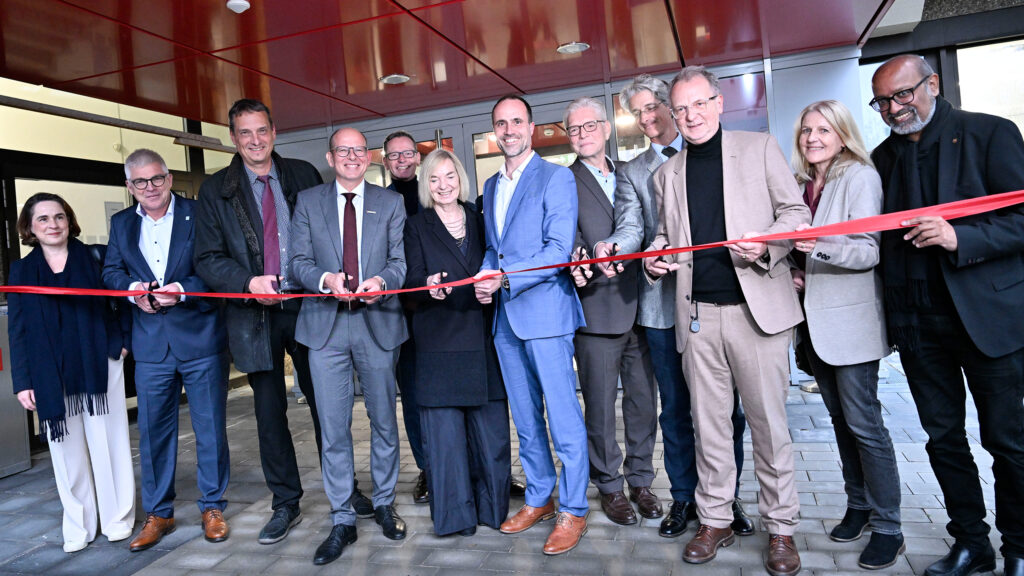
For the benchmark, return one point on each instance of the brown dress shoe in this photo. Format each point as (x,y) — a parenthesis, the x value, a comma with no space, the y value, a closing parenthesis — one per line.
(527,517)
(152,532)
(617,508)
(704,546)
(214,525)
(646,502)
(567,533)
(783,559)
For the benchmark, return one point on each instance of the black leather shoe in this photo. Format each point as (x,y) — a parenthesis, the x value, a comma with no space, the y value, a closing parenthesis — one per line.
(280,523)
(1013,566)
(467,531)
(742,525)
(962,561)
(852,526)
(341,535)
(390,522)
(679,514)
(420,494)
(518,488)
(363,505)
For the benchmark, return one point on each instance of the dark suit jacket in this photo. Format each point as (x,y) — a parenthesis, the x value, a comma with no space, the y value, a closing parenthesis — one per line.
(229,251)
(455,360)
(985,275)
(609,304)
(189,330)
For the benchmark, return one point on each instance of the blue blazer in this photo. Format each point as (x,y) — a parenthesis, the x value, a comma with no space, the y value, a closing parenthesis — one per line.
(540,229)
(189,330)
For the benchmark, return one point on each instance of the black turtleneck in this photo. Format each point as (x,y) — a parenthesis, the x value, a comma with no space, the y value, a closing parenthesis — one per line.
(714,277)
(410,190)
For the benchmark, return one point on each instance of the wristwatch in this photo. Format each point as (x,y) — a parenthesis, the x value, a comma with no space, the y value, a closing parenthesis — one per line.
(504,280)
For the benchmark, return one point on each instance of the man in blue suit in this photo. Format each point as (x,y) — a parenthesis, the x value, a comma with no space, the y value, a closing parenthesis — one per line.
(530,209)
(176,340)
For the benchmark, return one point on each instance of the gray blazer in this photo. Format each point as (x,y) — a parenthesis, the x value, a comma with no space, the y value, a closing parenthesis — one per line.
(842,291)
(316,248)
(636,223)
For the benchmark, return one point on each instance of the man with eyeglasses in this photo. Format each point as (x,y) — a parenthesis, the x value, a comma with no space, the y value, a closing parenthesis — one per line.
(636,222)
(177,341)
(953,295)
(347,241)
(611,343)
(735,309)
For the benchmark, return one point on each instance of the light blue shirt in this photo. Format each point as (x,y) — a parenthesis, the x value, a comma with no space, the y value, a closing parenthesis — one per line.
(504,191)
(677,144)
(606,182)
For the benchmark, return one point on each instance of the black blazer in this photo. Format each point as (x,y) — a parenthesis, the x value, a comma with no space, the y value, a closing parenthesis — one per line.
(455,360)
(609,304)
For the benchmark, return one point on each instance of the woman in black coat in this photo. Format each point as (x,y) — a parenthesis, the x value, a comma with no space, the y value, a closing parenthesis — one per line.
(464,415)
(67,365)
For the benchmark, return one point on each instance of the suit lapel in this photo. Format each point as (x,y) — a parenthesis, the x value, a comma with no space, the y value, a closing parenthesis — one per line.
(678,184)
(371,225)
(487,206)
(181,231)
(584,175)
(329,208)
(522,189)
(731,196)
(132,251)
(437,227)
(654,159)
(949,164)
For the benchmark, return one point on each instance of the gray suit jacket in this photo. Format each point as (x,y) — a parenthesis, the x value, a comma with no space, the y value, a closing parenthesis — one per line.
(316,248)
(843,292)
(636,223)
(609,304)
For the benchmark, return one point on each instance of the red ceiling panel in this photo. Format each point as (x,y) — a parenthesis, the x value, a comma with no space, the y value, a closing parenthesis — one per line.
(636,32)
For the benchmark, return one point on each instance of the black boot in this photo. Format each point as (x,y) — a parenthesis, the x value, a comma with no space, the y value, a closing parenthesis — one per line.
(852,526)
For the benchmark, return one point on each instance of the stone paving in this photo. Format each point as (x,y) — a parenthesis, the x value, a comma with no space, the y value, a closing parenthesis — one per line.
(30,512)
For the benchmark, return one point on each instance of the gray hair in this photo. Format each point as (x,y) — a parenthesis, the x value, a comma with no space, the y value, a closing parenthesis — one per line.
(585,102)
(142,157)
(655,86)
(691,72)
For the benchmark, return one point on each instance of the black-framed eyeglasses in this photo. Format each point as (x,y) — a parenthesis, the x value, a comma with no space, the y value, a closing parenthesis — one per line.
(142,183)
(648,109)
(585,127)
(344,151)
(407,154)
(882,103)
(697,106)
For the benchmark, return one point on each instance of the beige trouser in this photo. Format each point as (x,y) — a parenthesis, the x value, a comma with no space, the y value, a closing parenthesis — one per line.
(730,350)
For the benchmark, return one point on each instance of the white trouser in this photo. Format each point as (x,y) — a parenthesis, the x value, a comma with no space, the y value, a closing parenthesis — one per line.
(92,464)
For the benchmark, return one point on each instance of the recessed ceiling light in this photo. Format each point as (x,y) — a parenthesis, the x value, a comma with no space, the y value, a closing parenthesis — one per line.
(238,6)
(573,48)
(394,79)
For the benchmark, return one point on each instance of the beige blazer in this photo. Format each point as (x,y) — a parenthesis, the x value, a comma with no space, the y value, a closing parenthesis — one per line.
(843,293)
(760,195)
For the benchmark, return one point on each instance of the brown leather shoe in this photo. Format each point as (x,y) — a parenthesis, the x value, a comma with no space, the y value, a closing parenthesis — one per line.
(783,559)
(152,532)
(616,507)
(704,546)
(646,502)
(527,517)
(567,533)
(214,525)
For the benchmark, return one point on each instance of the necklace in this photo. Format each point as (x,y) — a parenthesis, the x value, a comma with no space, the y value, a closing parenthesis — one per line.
(457,227)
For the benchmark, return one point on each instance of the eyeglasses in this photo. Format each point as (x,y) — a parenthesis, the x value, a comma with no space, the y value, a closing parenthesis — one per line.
(648,109)
(882,103)
(697,107)
(344,151)
(157,181)
(585,127)
(407,154)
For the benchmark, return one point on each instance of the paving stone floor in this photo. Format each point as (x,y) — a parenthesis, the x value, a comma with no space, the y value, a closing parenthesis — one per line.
(30,514)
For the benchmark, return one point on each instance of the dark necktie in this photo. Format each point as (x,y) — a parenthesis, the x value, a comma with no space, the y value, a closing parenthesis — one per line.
(669,151)
(271,243)
(350,243)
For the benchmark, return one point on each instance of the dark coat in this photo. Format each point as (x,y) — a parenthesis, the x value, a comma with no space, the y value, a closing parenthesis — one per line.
(229,250)
(455,360)
(985,275)
(609,304)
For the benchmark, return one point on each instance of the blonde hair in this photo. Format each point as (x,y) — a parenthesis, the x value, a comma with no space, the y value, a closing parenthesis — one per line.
(430,165)
(839,118)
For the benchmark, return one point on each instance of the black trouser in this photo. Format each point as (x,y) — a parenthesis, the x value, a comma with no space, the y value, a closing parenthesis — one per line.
(277,452)
(997,387)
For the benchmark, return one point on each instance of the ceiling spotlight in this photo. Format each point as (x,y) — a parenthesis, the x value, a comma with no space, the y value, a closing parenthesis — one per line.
(573,48)
(395,79)
(238,6)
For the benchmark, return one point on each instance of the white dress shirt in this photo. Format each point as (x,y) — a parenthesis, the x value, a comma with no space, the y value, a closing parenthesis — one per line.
(357,201)
(155,244)
(504,190)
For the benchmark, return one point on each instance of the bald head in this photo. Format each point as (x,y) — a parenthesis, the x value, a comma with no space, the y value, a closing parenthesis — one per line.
(905,88)
(348,156)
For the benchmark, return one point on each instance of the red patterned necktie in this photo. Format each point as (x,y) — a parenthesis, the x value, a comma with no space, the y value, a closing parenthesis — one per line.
(271,243)
(350,243)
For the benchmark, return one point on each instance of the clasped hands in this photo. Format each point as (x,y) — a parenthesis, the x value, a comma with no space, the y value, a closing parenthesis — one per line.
(157,298)
(337,284)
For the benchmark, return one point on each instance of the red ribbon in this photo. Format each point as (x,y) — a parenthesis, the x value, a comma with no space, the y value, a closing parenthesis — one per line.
(879,223)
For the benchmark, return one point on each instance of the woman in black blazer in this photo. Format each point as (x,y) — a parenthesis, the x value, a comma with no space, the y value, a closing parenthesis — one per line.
(464,415)
(67,365)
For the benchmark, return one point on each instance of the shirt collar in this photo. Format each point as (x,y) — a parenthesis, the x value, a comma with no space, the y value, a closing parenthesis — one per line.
(358,190)
(677,144)
(252,176)
(597,171)
(518,171)
(170,210)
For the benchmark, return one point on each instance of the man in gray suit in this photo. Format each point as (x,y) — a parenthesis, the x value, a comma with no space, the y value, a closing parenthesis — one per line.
(347,240)
(636,223)
(611,344)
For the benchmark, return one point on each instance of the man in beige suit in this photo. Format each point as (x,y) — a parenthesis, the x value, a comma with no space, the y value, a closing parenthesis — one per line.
(735,309)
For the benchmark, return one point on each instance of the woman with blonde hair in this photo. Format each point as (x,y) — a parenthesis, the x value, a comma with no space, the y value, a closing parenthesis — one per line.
(844,335)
